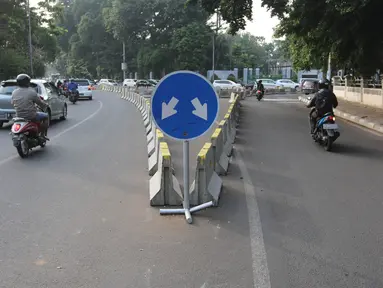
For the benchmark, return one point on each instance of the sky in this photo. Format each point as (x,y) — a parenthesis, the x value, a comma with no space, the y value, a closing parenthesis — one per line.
(262,24)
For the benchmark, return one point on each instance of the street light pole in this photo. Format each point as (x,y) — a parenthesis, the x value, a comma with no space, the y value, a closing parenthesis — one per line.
(214,34)
(30,39)
(124,59)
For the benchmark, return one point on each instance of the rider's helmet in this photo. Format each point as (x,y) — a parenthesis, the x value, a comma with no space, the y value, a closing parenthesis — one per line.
(23,80)
(260,81)
(323,84)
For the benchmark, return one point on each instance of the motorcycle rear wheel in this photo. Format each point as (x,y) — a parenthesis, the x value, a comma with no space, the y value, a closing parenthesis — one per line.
(328,144)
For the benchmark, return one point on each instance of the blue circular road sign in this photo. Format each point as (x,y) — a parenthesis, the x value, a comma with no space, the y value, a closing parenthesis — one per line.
(184,105)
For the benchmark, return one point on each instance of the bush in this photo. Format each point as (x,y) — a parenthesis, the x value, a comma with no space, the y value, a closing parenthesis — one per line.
(215,78)
(232,78)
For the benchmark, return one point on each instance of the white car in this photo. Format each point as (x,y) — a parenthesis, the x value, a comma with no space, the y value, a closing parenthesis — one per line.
(110,82)
(270,84)
(129,82)
(288,83)
(225,84)
(85,88)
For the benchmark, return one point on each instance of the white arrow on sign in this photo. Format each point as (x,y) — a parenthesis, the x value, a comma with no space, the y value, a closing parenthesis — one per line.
(200,110)
(168,109)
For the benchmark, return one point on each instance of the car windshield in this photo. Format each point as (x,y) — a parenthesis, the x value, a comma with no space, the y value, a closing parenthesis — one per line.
(82,82)
(6,88)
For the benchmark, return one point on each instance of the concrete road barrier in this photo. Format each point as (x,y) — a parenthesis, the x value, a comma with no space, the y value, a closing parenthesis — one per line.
(207,185)
(213,159)
(154,157)
(228,143)
(164,186)
(221,160)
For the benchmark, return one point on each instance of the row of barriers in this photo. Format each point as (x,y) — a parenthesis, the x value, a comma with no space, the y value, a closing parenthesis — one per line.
(212,161)
(221,92)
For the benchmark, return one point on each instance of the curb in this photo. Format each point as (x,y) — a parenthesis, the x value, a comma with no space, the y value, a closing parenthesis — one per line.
(352,118)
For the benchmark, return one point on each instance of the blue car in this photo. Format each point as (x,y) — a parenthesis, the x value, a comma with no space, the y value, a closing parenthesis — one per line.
(57,107)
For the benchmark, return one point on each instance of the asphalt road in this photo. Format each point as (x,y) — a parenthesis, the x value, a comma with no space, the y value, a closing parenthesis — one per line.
(76,213)
(320,213)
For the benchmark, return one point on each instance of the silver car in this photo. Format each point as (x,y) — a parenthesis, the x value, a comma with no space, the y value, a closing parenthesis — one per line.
(85,88)
(48,92)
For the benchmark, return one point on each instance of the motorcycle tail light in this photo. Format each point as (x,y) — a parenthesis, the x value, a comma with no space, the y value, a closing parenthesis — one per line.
(17,127)
(331,118)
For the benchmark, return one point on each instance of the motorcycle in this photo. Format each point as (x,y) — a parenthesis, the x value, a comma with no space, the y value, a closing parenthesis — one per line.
(73,96)
(27,135)
(326,131)
(259,95)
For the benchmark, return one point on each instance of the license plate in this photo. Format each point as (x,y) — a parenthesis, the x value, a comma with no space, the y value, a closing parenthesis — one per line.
(330,126)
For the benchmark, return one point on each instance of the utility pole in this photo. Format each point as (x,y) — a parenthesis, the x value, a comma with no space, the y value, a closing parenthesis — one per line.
(124,67)
(30,39)
(214,34)
(328,76)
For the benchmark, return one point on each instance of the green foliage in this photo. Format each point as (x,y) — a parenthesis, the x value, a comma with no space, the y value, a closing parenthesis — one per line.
(231,77)
(347,29)
(234,12)
(14,57)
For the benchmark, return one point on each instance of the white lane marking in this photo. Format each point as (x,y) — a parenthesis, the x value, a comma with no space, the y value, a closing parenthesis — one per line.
(281,100)
(261,274)
(79,123)
(4,161)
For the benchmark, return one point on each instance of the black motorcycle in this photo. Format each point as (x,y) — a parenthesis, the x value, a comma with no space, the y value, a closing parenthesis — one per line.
(73,96)
(259,95)
(326,131)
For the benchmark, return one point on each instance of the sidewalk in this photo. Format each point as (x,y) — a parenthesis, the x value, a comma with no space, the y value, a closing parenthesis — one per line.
(360,114)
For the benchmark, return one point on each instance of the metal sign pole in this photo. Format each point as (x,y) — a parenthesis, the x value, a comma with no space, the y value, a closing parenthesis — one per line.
(186,182)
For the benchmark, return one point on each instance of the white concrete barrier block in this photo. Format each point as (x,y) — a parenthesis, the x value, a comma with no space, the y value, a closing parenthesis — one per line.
(164,187)
(221,160)
(207,185)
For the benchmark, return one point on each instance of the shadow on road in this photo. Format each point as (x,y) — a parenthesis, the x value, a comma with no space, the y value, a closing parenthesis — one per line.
(357,151)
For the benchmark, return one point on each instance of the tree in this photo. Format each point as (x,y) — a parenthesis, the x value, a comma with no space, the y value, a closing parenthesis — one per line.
(346,29)
(189,44)
(13,37)
(234,12)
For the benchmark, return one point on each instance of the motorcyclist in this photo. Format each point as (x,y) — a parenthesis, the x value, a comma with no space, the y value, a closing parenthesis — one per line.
(25,99)
(323,102)
(260,87)
(58,85)
(73,87)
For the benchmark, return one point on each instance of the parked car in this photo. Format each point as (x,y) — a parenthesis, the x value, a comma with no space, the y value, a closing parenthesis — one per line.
(85,89)
(110,82)
(270,84)
(153,81)
(143,83)
(310,86)
(225,84)
(250,85)
(49,93)
(129,82)
(287,83)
